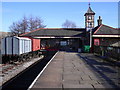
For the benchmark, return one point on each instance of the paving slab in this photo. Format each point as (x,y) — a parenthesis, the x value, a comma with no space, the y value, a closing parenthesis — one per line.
(75,77)
(71,82)
(102,86)
(81,86)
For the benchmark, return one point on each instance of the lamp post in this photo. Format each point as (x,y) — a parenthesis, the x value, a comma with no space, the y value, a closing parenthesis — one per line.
(90,37)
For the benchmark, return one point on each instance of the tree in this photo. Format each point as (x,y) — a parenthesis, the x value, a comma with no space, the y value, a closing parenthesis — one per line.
(35,22)
(68,24)
(26,25)
(16,28)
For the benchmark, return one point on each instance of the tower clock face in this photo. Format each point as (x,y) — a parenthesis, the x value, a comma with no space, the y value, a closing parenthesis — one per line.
(89,17)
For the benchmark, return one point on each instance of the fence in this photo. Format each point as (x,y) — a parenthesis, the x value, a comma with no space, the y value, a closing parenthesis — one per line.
(108,52)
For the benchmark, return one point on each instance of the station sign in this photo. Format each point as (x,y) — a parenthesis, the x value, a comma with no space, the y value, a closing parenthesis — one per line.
(97,42)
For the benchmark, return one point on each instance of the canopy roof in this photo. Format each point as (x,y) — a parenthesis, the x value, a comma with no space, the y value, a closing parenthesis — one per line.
(56,32)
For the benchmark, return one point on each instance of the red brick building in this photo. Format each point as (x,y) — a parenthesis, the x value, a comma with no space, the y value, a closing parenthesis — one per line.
(106,41)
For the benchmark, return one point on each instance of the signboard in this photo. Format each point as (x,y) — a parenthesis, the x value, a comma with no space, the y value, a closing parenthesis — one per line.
(63,43)
(97,42)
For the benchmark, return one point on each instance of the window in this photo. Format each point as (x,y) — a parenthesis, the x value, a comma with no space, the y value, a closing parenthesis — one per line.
(89,24)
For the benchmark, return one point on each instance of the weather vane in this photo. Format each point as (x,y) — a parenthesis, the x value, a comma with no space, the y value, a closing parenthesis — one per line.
(89,4)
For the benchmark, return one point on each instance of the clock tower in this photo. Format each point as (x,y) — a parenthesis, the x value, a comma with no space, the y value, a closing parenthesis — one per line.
(89,19)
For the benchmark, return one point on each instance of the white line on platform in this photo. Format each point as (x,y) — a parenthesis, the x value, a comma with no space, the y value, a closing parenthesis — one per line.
(41,73)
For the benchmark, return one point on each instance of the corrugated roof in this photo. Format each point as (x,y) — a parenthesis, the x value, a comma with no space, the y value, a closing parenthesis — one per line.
(106,30)
(71,32)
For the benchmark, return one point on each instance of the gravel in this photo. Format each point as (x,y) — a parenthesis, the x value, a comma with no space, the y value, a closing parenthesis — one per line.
(8,71)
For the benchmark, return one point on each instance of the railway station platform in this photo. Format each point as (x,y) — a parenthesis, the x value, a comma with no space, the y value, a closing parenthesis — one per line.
(71,70)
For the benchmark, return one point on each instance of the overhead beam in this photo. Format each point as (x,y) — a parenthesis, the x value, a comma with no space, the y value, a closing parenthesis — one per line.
(106,36)
(55,37)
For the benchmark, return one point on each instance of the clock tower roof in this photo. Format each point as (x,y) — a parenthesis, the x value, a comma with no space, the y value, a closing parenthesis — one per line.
(89,11)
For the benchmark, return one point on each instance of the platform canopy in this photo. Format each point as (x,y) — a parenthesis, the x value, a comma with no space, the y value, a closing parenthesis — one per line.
(56,33)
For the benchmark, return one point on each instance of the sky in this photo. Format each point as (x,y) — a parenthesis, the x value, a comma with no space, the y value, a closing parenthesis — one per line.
(54,14)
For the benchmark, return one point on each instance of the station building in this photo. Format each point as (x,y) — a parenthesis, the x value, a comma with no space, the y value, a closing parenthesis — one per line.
(64,38)
(106,42)
(78,38)
(59,38)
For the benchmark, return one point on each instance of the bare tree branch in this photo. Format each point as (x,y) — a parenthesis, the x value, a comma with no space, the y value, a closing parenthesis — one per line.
(68,24)
(26,25)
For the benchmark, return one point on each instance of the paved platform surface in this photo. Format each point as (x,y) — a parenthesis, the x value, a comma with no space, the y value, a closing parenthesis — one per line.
(78,70)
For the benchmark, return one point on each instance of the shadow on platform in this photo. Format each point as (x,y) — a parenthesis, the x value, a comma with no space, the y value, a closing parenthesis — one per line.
(100,68)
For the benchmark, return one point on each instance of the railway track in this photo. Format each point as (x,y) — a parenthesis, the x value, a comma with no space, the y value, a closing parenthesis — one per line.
(24,80)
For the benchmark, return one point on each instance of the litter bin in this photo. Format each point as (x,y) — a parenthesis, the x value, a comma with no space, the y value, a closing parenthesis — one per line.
(87,48)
